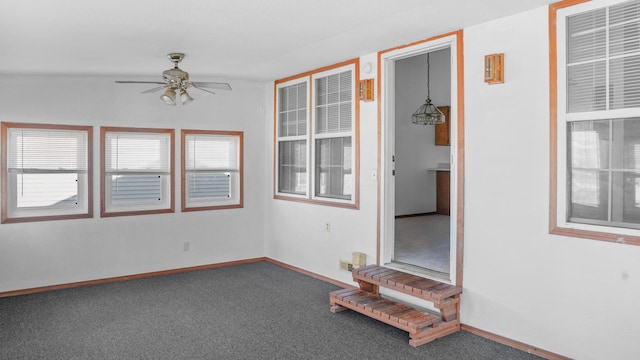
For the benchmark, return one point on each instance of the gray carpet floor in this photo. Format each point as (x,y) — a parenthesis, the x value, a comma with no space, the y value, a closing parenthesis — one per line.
(423,241)
(250,311)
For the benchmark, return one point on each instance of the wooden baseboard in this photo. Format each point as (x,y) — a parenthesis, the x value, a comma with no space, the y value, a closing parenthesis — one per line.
(311,274)
(127,277)
(514,344)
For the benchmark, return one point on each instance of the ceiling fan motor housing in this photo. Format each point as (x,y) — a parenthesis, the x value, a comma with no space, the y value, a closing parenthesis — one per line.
(175,77)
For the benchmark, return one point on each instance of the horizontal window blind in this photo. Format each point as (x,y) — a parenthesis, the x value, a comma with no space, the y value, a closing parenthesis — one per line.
(47,150)
(211,152)
(136,152)
(292,110)
(205,185)
(333,107)
(603,58)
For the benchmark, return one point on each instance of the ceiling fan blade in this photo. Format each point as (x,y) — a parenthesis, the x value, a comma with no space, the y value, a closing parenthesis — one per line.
(211,85)
(138,82)
(153,89)
(201,89)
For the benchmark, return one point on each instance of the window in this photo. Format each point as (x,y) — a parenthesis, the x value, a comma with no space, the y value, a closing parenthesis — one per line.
(211,170)
(316,125)
(137,171)
(46,172)
(598,120)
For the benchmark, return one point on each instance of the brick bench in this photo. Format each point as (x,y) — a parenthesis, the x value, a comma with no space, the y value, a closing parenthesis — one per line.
(422,327)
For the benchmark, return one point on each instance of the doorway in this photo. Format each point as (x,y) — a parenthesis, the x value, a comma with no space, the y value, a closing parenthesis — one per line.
(420,227)
(422,158)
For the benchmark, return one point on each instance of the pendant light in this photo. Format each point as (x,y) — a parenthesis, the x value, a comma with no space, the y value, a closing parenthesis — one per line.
(428,114)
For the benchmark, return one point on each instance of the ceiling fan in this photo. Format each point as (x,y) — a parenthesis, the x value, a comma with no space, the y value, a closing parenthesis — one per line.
(177,81)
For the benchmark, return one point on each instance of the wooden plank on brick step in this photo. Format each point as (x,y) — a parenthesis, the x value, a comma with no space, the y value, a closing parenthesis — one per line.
(379,307)
(420,286)
(356,298)
(398,281)
(384,279)
(404,318)
(374,304)
(398,316)
(343,292)
(396,308)
(418,320)
(362,303)
(366,300)
(380,274)
(369,271)
(442,291)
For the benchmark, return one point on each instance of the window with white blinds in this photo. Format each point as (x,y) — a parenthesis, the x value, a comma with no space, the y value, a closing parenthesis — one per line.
(334,113)
(212,170)
(293,120)
(599,116)
(47,170)
(317,164)
(603,58)
(137,171)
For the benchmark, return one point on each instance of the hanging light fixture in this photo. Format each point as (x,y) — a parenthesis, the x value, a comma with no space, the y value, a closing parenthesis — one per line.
(185,97)
(169,96)
(428,114)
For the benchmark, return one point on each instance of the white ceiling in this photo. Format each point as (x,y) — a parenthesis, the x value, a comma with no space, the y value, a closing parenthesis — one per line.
(233,39)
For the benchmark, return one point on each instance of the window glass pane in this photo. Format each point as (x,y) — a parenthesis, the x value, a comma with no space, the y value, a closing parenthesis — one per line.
(586,87)
(624,79)
(589,195)
(626,144)
(210,152)
(209,185)
(624,35)
(589,141)
(136,189)
(292,167)
(136,152)
(292,110)
(47,190)
(333,107)
(586,34)
(626,198)
(333,168)
(47,149)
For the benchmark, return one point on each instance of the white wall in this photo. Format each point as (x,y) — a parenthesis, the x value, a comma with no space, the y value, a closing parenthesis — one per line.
(296,233)
(54,252)
(575,297)
(415,144)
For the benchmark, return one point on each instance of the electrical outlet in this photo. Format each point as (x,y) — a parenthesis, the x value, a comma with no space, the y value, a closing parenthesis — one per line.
(345,266)
(327,226)
(185,246)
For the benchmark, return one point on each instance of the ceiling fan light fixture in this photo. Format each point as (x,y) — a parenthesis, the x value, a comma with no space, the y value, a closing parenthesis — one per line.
(176,80)
(169,96)
(185,97)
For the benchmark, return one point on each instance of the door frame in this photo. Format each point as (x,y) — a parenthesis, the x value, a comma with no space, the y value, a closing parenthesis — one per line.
(386,138)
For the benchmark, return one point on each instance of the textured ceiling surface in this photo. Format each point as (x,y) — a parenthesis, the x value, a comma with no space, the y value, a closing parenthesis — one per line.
(257,40)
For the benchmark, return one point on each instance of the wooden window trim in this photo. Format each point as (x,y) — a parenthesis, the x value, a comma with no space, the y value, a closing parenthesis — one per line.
(554,228)
(184,134)
(171,209)
(5,219)
(356,137)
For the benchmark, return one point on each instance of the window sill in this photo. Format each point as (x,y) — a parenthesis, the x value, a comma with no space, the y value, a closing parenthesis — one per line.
(596,235)
(344,205)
